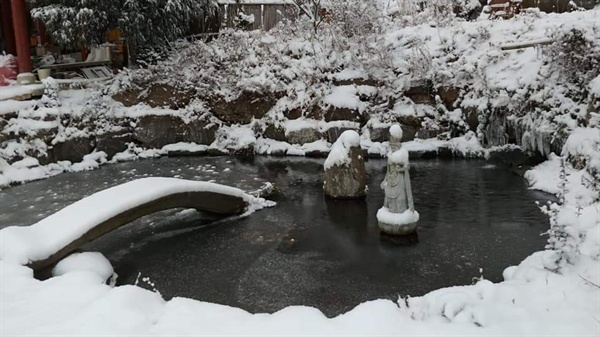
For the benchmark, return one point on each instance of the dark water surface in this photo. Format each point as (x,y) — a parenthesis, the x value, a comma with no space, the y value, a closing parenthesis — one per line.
(307,250)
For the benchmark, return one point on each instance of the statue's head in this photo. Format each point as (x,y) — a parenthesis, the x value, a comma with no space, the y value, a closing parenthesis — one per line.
(395,137)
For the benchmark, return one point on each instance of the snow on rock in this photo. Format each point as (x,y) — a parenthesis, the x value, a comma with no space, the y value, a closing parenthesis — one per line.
(424,145)
(185,147)
(9,106)
(13,91)
(349,74)
(11,174)
(87,261)
(320,145)
(300,124)
(324,126)
(345,96)
(41,240)
(468,146)
(235,137)
(90,162)
(26,163)
(296,151)
(134,152)
(340,151)
(397,219)
(28,126)
(545,177)
(271,147)
(378,149)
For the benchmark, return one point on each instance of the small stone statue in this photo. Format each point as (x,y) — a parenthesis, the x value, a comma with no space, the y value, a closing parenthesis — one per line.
(398,215)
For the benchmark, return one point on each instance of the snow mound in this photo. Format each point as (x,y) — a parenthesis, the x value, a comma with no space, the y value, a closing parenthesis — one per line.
(340,151)
(26,163)
(545,176)
(87,261)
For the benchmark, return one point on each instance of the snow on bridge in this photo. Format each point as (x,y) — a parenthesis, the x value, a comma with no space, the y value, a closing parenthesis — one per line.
(53,238)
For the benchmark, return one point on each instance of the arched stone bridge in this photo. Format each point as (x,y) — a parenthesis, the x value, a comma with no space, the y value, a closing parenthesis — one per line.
(48,241)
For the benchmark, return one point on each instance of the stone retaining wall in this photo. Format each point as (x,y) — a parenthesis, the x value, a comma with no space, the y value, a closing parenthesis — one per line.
(497,127)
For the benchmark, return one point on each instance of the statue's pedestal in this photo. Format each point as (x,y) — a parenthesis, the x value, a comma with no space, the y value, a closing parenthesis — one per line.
(397,223)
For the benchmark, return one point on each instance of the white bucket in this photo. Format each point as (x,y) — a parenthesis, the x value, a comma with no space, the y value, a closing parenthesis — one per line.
(44,73)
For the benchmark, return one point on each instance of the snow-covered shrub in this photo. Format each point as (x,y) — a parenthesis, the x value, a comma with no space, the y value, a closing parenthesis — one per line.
(577,56)
(355,17)
(419,60)
(243,20)
(50,97)
(65,20)
(417,12)
(143,22)
(563,239)
(468,9)
(454,122)
(290,58)
(574,178)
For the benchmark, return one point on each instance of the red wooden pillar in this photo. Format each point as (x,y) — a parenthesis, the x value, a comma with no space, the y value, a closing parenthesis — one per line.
(8,34)
(19,12)
(43,35)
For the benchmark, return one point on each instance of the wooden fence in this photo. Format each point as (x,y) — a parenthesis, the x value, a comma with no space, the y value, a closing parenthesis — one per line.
(266,15)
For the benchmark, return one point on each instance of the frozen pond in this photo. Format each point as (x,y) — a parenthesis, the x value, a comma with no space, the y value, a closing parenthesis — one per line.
(307,250)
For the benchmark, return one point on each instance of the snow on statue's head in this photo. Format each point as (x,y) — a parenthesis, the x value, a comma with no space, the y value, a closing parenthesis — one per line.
(395,137)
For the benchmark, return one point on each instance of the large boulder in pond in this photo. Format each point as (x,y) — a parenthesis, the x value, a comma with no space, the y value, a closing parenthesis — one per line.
(345,175)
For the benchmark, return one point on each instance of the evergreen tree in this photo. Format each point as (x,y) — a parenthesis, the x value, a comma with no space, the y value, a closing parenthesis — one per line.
(145,23)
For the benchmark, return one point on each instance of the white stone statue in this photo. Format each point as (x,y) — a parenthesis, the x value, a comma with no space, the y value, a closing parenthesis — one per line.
(398,215)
